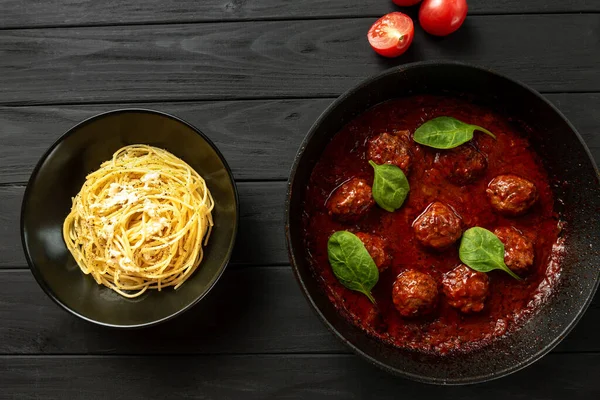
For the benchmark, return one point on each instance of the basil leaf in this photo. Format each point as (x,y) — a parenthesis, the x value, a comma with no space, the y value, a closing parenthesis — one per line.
(446,133)
(390,186)
(351,263)
(482,251)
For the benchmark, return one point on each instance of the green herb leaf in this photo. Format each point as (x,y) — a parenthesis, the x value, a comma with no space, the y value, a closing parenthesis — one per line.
(482,251)
(351,263)
(446,133)
(390,186)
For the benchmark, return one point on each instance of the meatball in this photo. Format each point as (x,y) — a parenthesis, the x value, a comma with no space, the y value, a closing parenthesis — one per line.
(351,201)
(518,250)
(387,148)
(377,248)
(414,293)
(466,289)
(511,194)
(438,226)
(463,164)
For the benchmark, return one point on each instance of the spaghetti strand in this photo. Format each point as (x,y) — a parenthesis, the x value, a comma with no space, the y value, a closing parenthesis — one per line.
(140,221)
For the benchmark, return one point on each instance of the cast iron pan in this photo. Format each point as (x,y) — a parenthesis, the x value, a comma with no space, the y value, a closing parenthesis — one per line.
(575,181)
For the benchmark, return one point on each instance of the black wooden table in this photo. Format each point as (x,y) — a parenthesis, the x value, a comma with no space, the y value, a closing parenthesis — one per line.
(253,75)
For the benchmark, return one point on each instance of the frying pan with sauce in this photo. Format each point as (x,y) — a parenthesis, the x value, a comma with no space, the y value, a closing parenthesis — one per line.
(574,182)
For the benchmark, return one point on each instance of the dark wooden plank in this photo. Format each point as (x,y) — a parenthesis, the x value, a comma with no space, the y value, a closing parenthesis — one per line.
(15,13)
(580,109)
(260,238)
(268,132)
(10,239)
(24,138)
(258,138)
(268,314)
(572,376)
(276,59)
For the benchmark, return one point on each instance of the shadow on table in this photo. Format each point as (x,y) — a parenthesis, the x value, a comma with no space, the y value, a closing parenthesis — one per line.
(458,46)
(207,327)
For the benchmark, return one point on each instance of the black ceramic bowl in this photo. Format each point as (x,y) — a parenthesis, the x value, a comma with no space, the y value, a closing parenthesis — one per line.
(576,184)
(59,176)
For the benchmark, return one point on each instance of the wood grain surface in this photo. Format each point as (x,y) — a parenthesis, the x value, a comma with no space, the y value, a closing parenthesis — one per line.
(270,137)
(267,131)
(253,75)
(252,310)
(17,13)
(281,59)
(572,376)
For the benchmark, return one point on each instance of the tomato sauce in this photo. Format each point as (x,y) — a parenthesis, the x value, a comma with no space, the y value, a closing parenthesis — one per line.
(510,302)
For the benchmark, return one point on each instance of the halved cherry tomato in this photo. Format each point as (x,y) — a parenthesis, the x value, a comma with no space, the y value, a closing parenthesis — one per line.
(391,34)
(442,17)
(406,3)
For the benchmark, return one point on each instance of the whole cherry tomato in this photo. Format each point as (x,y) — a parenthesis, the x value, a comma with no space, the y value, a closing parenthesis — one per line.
(442,17)
(391,34)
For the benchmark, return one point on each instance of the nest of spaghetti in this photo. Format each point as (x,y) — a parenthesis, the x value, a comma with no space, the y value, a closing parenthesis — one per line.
(140,221)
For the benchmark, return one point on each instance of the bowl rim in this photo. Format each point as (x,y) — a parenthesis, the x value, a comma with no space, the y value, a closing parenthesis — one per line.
(36,273)
(372,360)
